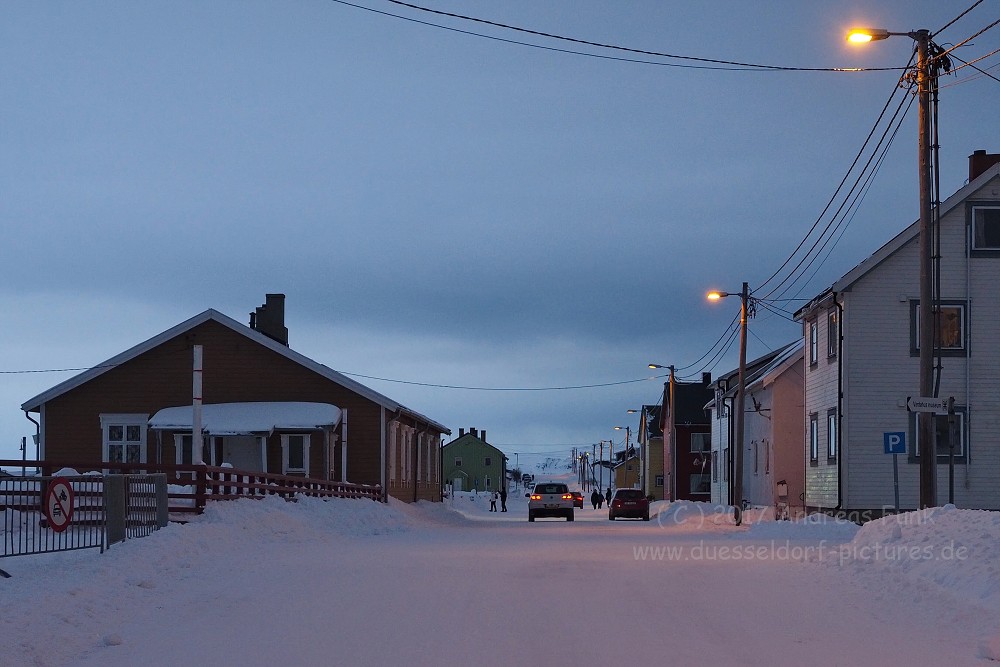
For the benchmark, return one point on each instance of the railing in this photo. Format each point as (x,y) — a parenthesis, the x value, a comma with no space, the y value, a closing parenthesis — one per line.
(189,487)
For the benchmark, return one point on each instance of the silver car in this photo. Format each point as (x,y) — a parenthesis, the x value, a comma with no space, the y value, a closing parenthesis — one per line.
(550,499)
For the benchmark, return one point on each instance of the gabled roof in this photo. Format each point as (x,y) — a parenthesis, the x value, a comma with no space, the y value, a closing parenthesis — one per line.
(910,233)
(759,367)
(469,439)
(791,355)
(34,404)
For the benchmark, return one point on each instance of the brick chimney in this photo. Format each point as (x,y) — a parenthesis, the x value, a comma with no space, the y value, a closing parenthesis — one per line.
(269,319)
(980,161)
(473,432)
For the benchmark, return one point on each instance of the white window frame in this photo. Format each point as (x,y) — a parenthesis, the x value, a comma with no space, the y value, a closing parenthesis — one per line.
(706,440)
(942,447)
(814,437)
(285,470)
(125,420)
(975,226)
(832,333)
(831,435)
(700,476)
(945,305)
(813,342)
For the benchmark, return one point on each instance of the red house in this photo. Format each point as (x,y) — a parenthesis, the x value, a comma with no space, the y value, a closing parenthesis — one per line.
(264,408)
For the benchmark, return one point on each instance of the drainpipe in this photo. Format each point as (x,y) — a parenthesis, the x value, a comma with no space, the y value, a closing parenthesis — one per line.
(343,446)
(840,402)
(382,459)
(38,437)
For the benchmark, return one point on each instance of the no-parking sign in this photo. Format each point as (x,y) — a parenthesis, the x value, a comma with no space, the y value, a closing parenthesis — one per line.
(59,504)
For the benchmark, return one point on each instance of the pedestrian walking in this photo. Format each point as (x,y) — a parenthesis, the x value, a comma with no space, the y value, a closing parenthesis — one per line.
(595,498)
(607,496)
(493,501)
(503,499)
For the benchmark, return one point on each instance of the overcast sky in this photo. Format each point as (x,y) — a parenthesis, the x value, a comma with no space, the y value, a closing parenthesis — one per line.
(445,208)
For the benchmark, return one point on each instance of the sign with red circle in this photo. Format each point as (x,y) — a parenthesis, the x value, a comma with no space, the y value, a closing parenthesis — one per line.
(59,504)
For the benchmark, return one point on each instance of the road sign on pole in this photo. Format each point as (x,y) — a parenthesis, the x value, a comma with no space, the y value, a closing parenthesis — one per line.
(894,442)
(59,504)
(926,404)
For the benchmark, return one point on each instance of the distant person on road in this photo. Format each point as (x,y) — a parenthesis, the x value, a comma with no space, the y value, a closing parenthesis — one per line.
(596,499)
(503,499)
(607,496)
(493,501)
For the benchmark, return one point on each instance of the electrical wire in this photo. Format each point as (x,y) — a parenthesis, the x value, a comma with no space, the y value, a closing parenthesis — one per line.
(711,63)
(944,54)
(840,186)
(952,22)
(971,64)
(471,388)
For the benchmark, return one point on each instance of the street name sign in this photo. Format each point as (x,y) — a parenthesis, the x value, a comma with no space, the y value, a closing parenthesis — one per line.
(926,404)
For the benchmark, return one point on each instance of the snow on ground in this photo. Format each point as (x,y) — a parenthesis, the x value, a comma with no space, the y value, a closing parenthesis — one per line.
(353,582)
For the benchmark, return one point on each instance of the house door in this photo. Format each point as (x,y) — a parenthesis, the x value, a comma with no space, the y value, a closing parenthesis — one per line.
(456,484)
(243,452)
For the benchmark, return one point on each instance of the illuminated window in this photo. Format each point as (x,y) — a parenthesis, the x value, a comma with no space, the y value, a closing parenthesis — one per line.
(950,328)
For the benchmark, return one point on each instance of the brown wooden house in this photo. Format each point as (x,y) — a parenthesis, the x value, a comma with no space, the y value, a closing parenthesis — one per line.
(264,407)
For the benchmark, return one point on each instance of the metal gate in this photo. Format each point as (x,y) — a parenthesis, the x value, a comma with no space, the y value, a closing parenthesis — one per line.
(106,509)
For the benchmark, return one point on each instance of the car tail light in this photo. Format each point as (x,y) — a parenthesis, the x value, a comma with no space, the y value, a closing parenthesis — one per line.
(535,496)
(567,496)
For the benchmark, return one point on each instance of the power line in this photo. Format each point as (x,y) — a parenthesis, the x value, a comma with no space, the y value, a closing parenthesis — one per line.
(951,22)
(971,64)
(712,63)
(471,388)
(833,197)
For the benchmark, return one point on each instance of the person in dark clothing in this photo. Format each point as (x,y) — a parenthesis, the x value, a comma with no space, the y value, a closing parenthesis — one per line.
(595,497)
(503,499)
(607,496)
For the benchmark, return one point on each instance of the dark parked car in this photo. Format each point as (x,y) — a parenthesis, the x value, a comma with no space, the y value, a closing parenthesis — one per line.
(577,499)
(629,503)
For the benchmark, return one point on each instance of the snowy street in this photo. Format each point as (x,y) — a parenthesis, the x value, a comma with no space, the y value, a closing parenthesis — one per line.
(351,582)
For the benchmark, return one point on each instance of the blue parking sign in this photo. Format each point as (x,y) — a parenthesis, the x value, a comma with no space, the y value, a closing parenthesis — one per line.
(894,442)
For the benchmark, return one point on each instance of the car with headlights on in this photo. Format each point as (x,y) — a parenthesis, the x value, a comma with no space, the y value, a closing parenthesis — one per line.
(550,499)
(629,503)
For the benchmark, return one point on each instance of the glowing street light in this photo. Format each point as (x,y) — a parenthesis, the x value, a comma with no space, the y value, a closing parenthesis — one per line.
(865,35)
(930,59)
(737,483)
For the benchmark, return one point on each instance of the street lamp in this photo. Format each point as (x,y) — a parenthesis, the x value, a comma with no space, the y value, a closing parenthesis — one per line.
(746,310)
(628,434)
(926,74)
(670,484)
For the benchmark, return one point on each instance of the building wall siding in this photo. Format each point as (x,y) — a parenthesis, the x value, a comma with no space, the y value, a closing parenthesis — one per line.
(880,372)
(236,369)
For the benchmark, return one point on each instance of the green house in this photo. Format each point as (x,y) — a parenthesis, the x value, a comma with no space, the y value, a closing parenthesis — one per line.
(469,463)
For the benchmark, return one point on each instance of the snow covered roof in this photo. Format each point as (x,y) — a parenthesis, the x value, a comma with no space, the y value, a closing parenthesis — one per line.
(248,418)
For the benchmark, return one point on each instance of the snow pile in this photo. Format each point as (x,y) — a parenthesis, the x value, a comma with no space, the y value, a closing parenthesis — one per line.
(952,548)
(272,518)
(813,526)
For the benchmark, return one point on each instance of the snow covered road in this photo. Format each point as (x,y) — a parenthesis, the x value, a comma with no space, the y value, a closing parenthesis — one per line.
(357,583)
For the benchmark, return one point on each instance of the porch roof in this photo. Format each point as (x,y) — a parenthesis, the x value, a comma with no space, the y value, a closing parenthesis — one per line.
(249,418)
